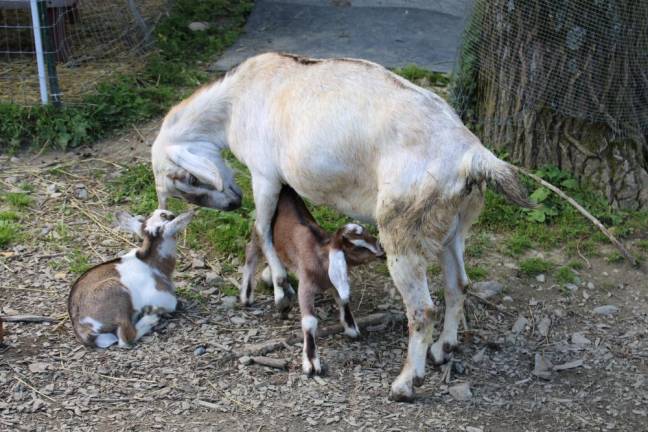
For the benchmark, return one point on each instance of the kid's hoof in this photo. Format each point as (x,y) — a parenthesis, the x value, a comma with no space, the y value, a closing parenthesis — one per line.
(418,381)
(396,396)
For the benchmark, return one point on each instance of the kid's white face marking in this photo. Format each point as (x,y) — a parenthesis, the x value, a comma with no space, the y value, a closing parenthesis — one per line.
(139,279)
(353,228)
(339,274)
(366,245)
(157,221)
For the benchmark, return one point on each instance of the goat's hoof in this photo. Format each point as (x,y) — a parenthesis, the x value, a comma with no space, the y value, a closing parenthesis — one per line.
(401,396)
(311,370)
(418,381)
(441,353)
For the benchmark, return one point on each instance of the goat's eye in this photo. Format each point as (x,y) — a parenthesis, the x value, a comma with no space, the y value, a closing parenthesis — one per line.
(193,181)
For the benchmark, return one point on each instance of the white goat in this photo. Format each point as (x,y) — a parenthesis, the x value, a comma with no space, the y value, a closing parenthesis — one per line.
(352,135)
(119,301)
(320,261)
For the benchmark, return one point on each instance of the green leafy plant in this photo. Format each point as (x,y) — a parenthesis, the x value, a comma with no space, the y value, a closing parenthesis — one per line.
(565,275)
(535,266)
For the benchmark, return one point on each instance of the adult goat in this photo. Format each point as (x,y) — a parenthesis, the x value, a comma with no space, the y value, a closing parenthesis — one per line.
(352,135)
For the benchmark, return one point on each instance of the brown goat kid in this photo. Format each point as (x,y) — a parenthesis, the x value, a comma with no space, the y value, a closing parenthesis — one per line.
(319,260)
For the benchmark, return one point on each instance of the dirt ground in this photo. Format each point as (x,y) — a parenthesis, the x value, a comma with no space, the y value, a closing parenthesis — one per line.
(186,375)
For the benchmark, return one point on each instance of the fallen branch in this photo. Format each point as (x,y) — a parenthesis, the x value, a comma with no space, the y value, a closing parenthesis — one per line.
(584,212)
(296,337)
(28,318)
(271,362)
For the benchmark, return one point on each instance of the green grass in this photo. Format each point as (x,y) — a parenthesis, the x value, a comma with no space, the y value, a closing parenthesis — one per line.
(230,290)
(535,266)
(171,71)
(478,244)
(643,245)
(565,275)
(614,257)
(576,265)
(9,215)
(423,76)
(476,273)
(78,262)
(517,244)
(9,232)
(17,199)
(191,295)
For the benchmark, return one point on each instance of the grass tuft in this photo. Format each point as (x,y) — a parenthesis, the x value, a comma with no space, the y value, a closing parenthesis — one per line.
(565,275)
(535,266)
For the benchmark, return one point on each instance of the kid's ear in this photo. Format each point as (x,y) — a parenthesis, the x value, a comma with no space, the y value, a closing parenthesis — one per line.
(133,224)
(339,273)
(179,223)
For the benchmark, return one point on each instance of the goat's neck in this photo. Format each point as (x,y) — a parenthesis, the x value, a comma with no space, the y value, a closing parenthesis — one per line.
(158,254)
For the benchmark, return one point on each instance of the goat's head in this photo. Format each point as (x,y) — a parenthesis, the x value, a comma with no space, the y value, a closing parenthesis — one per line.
(357,244)
(161,225)
(194,171)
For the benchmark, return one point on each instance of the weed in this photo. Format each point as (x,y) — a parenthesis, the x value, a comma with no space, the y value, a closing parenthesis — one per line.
(423,76)
(575,265)
(517,244)
(643,245)
(565,275)
(476,273)
(78,262)
(478,244)
(229,290)
(9,215)
(189,294)
(434,270)
(17,199)
(615,257)
(534,266)
(9,232)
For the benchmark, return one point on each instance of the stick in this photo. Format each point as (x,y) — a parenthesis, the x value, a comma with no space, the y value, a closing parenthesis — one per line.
(28,318)
(271,362)
(584,212)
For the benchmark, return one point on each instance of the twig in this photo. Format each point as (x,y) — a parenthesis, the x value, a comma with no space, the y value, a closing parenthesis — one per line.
(271,362)
(27,318)
(584,212)
(108,376)
(33,388)
(489,303)
(589,266)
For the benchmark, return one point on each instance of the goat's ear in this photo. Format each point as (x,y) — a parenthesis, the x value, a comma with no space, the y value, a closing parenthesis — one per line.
(179,223)
(339,273)
(130,223)
(352,229)
(200,165)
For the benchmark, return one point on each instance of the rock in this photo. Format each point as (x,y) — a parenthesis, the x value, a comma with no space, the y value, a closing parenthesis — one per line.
(520,325)
(606,310)
(473,429)
(579,339)
(571,287)
(198,26)
(52,188)
(80,191)
(229,302)
(245,360)
(200,351)
(542,368)
(507,299)
(458,367)
(590,285)
(238,320)
(569,365)
(543,326)
(212,277)
(487,289)
(197,263)
(541,278)
(477,358)
(39,367)
(461,392)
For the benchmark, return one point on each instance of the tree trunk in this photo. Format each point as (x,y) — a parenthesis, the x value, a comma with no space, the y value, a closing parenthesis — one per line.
(562,84)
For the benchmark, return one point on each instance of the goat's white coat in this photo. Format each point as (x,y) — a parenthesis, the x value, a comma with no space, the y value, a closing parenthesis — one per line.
(339,274)
(344,133)
(138,278)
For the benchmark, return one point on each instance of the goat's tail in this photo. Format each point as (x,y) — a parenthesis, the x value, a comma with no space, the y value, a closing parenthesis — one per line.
(499,174)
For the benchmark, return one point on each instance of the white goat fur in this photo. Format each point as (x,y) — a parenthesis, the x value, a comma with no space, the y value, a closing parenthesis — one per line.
(354,136)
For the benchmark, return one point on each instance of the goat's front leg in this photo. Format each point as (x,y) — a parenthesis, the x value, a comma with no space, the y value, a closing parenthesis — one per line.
(311,364)
(456,280)
(346,317)
(266,195)
(252,253)
(408,272)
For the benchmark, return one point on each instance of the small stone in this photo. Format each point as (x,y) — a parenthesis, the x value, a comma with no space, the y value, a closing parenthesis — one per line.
(461,392)
(487,289)
(197,263)
(519,325)
(606,310)
(200,351)
(569,365)
(579,339)
(80,191)
(458,367)
(543,326)
(541,278)
(229,302)
(52,188)
(198,26)
(590,285)
(507,299)
(542,368)
(473,429)
(212,277)
(37,405)
(39,367)
(245,360)
(238,320)
(571,287)
(477,358)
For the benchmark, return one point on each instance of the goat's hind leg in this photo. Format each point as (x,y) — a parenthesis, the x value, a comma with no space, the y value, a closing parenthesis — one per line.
(252,253)
(266,195)
(456,281)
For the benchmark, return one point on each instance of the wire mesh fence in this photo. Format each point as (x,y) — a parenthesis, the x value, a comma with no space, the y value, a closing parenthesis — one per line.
(84,43)
(586,59)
